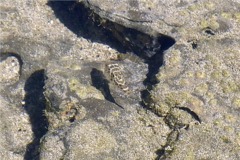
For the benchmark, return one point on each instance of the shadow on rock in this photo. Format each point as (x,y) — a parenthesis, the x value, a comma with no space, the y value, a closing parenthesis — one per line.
(35,104)
(85,23)
(101,83)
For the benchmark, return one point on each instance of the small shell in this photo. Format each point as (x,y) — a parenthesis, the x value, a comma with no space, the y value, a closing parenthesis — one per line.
(116,74)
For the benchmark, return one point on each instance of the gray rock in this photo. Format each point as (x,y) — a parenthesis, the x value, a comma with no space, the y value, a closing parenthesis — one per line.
(165,17)
(16,132)
(91,117)
(9,70)
(214,141)
(60,102)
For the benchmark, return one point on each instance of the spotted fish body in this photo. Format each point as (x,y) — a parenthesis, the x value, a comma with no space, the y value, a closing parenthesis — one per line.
(116,75)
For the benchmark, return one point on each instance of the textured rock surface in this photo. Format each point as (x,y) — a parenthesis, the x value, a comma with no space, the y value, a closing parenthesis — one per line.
(95,128)
(57,101)
(16,131)
(10,70)
(169,17)
(207,85)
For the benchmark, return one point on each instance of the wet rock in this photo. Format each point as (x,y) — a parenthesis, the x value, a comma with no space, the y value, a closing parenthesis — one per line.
(199,78)
(16,132)
(165,17)
(107,126)
(64,54)
(50,151)
(212,144)
(203,83)
(107,131)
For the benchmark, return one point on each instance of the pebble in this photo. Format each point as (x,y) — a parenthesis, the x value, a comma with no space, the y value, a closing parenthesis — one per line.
(9,70)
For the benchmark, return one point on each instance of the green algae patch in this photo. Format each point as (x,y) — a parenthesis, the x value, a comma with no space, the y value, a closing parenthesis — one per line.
(237,16)
(175,58)
(212,23)
(229,86)
(236,102)
(201,89)
(84,91)
(216,75)
(200,75)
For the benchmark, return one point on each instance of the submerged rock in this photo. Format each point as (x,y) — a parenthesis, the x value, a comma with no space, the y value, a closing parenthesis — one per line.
(61,101)
(106,122)
(16,132)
